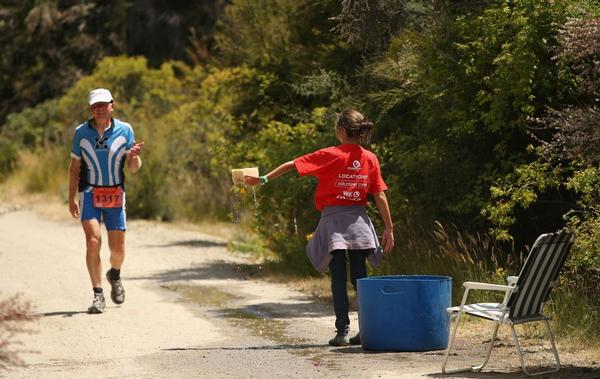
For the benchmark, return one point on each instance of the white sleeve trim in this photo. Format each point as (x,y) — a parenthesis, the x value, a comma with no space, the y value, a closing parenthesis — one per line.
(73,155)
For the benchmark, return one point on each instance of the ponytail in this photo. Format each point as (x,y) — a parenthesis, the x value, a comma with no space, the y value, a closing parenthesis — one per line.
(356,125)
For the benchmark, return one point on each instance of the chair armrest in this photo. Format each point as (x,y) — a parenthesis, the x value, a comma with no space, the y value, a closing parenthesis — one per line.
(487,286)
(483,286)
(512,280)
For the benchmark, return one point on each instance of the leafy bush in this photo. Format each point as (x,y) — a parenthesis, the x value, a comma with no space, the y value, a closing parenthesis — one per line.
(284,210)
(566,161)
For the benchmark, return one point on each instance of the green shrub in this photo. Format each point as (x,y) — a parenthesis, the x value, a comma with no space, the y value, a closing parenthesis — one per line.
(8,157)
(44,171)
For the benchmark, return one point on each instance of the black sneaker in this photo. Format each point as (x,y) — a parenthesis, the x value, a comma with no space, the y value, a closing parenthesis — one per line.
(355,340)
(98,305)
(117,292)
(339,340)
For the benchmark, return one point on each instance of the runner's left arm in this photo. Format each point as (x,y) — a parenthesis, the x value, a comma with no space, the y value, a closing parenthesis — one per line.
(134,162)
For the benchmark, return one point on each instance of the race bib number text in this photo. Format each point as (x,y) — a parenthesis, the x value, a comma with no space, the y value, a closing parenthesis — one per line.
(108,197)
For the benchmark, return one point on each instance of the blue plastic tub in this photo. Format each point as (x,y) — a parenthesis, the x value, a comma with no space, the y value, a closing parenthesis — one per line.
(405,312)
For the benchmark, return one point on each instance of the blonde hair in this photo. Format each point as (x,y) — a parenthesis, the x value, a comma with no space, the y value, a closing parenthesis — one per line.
(356,125)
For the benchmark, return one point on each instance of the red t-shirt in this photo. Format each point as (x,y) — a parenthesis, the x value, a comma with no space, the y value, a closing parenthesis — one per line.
(345,174)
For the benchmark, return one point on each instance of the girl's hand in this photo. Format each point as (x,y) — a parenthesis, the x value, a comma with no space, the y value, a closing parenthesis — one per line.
(251,180)
(388,240)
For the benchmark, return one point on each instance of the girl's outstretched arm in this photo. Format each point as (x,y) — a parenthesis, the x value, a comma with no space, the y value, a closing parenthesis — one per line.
(388,234)
(282,169)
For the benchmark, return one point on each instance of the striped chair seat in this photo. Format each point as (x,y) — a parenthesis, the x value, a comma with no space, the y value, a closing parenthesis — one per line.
(490,311)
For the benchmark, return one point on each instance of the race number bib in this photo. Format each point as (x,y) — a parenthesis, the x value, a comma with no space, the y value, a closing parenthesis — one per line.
(108,197)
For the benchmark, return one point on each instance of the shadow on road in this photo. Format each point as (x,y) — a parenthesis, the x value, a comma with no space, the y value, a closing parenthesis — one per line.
(61,313)
(358,349)
(265,347)
(191,243)
(216,270)
(295,306)
(305,308)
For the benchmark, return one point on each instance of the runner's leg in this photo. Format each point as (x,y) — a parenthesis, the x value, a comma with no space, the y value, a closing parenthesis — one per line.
(116,244)
(115,220)
(93,243)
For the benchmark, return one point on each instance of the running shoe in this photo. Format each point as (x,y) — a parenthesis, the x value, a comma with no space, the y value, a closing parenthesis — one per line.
(98,305)
(117,292)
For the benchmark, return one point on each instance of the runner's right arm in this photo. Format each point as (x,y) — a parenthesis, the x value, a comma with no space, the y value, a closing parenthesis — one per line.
(73,184)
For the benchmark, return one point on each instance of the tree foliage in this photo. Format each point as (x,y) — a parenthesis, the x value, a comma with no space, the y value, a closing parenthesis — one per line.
(463,87)
(576,134)
(568,139)
(48,45)
(370,25)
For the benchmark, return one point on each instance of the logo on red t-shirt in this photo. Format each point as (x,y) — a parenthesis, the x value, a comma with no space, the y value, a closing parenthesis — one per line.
(355,165)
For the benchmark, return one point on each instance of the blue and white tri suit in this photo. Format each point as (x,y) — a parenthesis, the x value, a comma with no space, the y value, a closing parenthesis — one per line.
(102,161)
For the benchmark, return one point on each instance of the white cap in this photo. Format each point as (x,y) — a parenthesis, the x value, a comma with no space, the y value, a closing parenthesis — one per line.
(100,95)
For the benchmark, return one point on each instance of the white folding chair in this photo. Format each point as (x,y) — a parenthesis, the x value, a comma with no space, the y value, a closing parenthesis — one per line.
(524,297)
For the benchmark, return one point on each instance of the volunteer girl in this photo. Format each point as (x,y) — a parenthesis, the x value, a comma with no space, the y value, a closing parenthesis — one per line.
(346,174)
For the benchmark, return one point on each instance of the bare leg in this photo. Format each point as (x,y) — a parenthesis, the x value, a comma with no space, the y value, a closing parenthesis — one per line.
(93,243)
(116,243)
